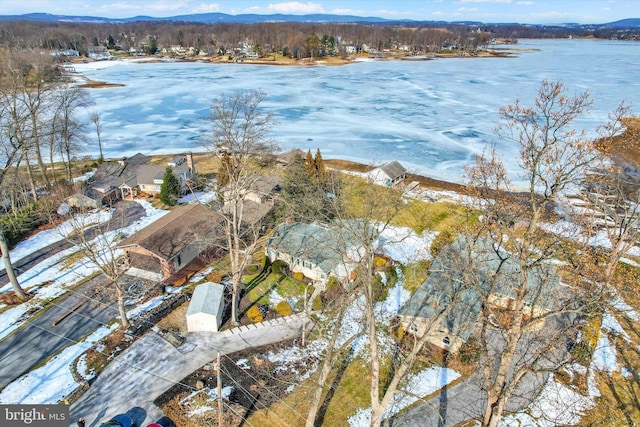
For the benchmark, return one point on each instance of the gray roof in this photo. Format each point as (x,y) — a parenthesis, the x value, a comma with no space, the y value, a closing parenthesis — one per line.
(114,174)
(207,298)
(183,226)
(393,169)
(146,174)
(466,270)
(316,243)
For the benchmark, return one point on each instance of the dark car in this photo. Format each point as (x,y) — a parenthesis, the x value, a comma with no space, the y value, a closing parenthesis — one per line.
(120,420)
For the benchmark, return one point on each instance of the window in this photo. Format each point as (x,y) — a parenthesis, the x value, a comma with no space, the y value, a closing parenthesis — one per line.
(446,341)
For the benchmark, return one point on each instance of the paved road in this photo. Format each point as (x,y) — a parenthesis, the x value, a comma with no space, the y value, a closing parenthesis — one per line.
(37,340)
(464,401)
(126,212)
(151,365)
(23,350)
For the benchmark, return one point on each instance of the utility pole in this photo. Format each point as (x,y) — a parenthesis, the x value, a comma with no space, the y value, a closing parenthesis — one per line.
(219,379)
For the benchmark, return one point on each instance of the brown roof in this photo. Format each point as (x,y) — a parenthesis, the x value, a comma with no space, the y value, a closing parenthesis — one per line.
(184,225)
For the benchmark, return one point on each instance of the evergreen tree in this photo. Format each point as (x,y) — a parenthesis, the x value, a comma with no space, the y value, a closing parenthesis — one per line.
(321,170)
(170,188)
(225,167)
(310,165)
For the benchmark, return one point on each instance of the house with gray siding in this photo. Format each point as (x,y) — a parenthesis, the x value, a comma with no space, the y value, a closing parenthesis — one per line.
(464,275)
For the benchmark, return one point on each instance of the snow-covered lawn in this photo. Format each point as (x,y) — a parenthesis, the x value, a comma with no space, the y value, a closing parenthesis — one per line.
(52,382)
(202,197)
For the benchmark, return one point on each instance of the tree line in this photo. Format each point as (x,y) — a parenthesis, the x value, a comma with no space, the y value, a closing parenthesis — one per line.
(293,39)
(40,129)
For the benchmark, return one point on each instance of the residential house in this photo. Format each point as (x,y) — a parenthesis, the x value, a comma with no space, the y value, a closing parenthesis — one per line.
(465,273)
(206,308)
(149,178)
(65,53)
(99,53)
(167,245)
(389,174)
(257,201)
(287,158)
(110,182)
(318,251)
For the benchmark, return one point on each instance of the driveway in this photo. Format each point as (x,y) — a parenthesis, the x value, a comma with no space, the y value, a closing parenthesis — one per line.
(464,401)
(150,366)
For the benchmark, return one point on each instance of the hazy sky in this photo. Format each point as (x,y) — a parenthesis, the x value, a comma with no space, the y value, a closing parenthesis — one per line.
(523,11)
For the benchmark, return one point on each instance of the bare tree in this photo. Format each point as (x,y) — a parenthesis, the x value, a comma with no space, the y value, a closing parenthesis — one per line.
(612,192)
(240,133)
(70,131)
(26,91)
(95,119)
(97,243)
(553,157)
(11,149)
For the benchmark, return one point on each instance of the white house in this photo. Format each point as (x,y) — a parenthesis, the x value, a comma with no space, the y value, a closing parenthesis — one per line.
(206,308)
(318,251)
(389,174)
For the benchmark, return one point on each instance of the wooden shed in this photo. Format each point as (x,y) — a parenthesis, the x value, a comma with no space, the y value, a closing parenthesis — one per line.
(206,308)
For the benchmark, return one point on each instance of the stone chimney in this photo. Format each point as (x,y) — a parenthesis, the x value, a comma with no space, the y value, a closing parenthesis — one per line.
(191,164)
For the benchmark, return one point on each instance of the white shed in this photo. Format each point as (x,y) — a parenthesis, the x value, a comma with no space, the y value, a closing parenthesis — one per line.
(389,174)
(206,308)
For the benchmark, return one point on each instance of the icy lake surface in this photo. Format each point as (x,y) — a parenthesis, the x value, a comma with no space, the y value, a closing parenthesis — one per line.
(433,116)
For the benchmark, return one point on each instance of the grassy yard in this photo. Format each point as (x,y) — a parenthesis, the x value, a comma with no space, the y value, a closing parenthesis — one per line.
(264,284)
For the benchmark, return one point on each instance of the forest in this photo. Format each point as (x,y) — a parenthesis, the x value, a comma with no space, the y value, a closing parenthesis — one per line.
(291,39)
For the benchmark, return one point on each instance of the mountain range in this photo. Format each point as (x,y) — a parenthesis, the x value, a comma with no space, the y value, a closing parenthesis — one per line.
(213,18)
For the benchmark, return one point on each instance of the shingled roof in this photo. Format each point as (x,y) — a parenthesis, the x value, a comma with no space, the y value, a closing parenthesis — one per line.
(463,271)
(393,169)
(184,225)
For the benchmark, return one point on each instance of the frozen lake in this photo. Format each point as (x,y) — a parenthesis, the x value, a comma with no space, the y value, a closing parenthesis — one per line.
(432,116)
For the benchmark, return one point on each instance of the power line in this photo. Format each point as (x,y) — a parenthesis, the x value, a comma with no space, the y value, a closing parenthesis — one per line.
(173,382)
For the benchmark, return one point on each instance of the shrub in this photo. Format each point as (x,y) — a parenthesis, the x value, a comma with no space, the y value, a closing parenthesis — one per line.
(379,292)
(332,283)
(470,351)
(284,308)
(19,224)
(255,314)
(298,276)
(279,267)
(379,261)
(443,238)
(591,332)
(400,332)
(317,303)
